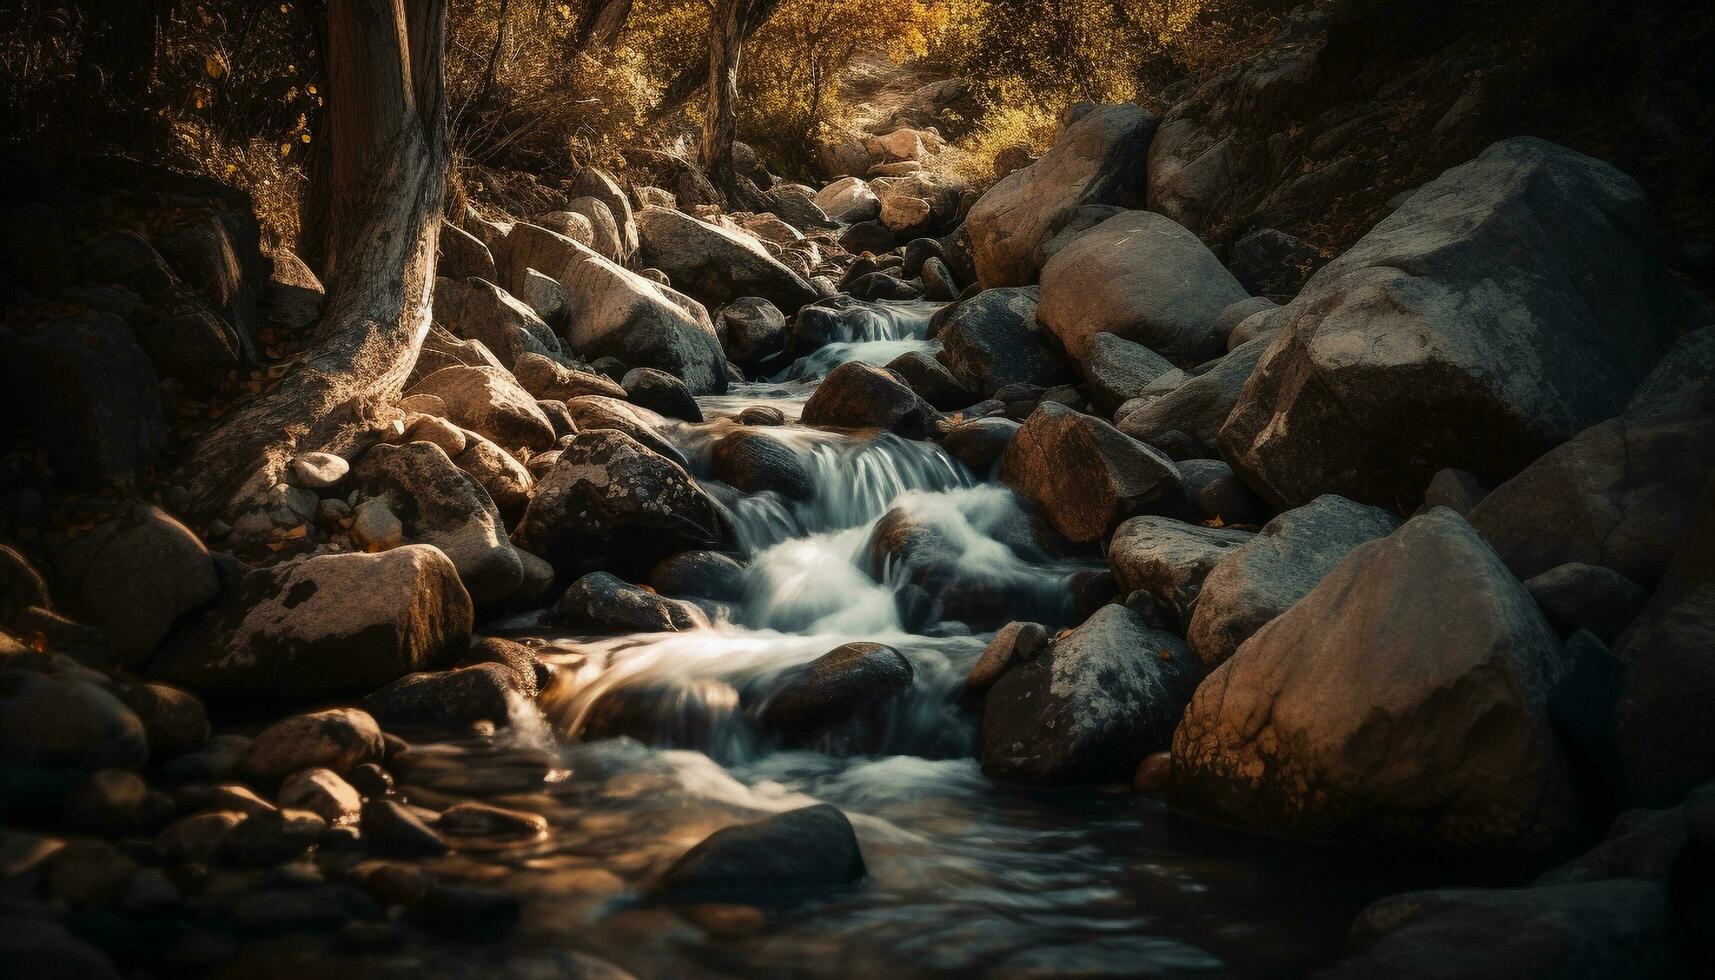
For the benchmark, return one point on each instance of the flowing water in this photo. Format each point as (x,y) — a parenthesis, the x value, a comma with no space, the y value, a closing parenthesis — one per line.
(967,876)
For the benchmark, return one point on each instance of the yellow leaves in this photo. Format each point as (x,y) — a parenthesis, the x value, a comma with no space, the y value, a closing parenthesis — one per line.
(285,148)
(212,65)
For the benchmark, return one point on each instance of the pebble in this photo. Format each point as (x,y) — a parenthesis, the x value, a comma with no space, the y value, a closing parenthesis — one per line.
(322,792)
(391,828)
(375,527)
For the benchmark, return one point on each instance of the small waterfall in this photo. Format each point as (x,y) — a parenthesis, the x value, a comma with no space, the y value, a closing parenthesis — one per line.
(834,332)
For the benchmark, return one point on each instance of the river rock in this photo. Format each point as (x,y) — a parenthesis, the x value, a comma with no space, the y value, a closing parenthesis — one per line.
(507,481)
(322,627)
(610,503)
(391,828)
(1217,494)
(1096,160)
(757,462)
(1268,573)
(849,200)
(1169,559)
(1013,643)
(599,184)
(173,719)
(449,509)
(660,392)
(133,576)
(1620,493)
(340,739)
(810,850)
(62,721)
(751,328)
(322,792)
(980,443)
(488,401)
(993,340)
(1408,688)
(606,237)
(859,395)
(601,412)
(116,803)
(1117,370)
(609,602)
(1140,276)
(931,380)
(462,696)
(1086,475)
(462,256)
(548,379)
(1185,422)
(848,683)
(716,265)
(476,309)
(1091,706)
(701,574)
(1504,307)
(1577,597)
(196,837)
(1270,262)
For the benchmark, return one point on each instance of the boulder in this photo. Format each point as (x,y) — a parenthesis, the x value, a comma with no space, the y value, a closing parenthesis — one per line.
(594,182)
(391,828)
(133,576)
(1507,305)
(931,380)
(448,508)
(65,722)
(980,443)
(1140,276)
(751,328)
(860,395)
(326,626)
(1403,699)
(600,412)
(548,379)
(993,340)
(868,236)
(699,574)
(462,696)
(442,350)
(322,792)
(611,504)
(849,200)
(609,602)
(1218,495)
(507,481)
(476,309)
(1587,597)
(847,684)
(660,392)
(606,237)
(1091,706)
(1096,160)
(716,265)
(463,256)
(1185,421)
(1620,493)
(1116,370)
(174,720)
(1269,262)
(809,850)
(1169,559)
(756,462)
(1270,572)
(340,739)
(488,401)
(82,389)
(1086,475)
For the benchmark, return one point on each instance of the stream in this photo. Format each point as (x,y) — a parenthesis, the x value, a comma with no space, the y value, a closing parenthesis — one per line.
(966,876)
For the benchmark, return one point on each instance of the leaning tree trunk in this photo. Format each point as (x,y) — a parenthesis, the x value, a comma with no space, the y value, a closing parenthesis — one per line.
(693,77)
(720,118)
(385,177)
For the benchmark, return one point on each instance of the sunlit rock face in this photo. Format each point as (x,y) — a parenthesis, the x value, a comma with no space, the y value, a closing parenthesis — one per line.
(1403,698)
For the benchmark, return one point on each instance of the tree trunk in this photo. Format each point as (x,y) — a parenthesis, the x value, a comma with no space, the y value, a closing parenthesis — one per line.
(692,79)
(720,118)
(384,182)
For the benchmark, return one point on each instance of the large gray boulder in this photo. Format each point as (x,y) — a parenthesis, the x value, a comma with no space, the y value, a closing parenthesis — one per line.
(599,184)
(612,504)
(1140,276)
(476,309)
(1097,160)
(1086,475)
(1116,370)
(1403,698)
(323,627)
(1504,307)
(993,340)
(1185,421)
(1091,706)
(1263,577)
(1620,493)
(717,265)
(1169,559)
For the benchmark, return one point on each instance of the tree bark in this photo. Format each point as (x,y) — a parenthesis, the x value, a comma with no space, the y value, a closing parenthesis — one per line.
(384,183)
(720,114)
(694,78)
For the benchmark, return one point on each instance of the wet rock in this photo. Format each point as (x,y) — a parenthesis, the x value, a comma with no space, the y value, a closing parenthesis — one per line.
(1185,422)
(1527,284)
(610,503)
(371,780)
(391,828)
(1092,161)
(483,820)
(751,328)
(83,390)
(703,574)
(476,309)
(1091,706)
(756,462)
(174,721)
(133,576)
(811,850)
(338,739)
(1117,370)
(671,712)
(1621,927)
(1169,559)
(60,721)
(271,837)
(762,415)
(322,792)
(1013,643)
(1270,572)
(1403,698)
(881,286)
(1140,276)
(606,601)
(1086,475)
(716,265)
(1620,493)
(548,379)
(980,443)
(993,340)
(859,395)
(1575,596)
(116,803)
(322,627)
(660,392)
(488,401)
(931,380)
(851,681)
(528,673)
